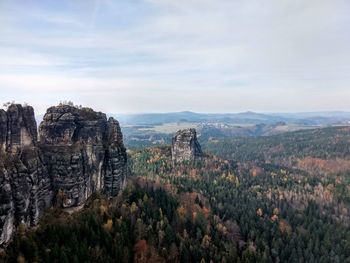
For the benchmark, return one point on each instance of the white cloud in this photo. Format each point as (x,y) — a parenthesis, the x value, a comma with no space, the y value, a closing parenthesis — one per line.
(11,57)
(226,55)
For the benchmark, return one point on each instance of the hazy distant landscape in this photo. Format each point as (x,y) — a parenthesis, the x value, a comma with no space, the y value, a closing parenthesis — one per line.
(156,128)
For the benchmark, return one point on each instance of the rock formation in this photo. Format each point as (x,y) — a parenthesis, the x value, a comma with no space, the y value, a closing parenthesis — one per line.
(84,153)
(78,153)
(25,188)
(185,146)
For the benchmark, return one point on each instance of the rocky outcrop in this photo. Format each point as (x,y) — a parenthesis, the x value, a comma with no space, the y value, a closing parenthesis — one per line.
(185,146)
(3,130)
(84,153)
(25,188)
(114,166)
(78,153)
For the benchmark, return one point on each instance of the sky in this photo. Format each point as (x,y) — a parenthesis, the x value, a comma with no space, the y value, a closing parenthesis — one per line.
(125,56)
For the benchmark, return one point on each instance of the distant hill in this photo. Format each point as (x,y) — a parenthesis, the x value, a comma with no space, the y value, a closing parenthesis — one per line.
(149,129)
(313,118)
(158,118)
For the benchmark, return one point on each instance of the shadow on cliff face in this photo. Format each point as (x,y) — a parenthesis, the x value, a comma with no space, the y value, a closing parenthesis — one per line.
(78,153)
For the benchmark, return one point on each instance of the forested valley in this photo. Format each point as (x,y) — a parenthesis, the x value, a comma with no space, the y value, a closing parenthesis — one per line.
(282,198)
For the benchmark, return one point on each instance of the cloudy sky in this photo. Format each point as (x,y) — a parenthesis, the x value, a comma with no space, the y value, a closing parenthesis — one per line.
(171,55)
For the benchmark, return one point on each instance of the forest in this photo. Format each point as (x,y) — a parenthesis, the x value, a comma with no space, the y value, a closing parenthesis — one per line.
(325,143)
(260,206)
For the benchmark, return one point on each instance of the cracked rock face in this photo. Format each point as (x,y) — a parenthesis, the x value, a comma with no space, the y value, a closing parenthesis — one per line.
(185,146)
(25,189)
(78,153)
(6,208)
(84,153)
(114,165)
(3,130)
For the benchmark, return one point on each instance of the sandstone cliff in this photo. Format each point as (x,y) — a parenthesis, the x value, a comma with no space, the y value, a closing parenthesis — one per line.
(78,153)
(84,153)
(185,146)
(25,188)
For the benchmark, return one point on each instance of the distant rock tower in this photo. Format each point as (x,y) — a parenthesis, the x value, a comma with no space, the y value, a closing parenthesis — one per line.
(185,146)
